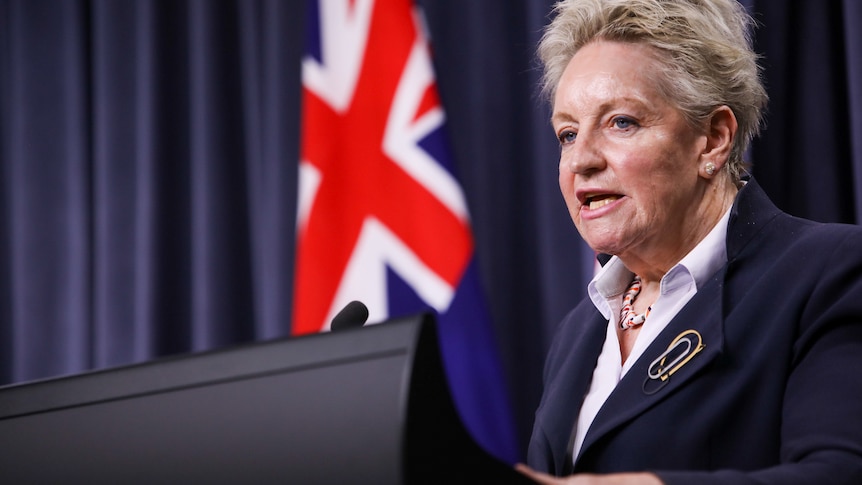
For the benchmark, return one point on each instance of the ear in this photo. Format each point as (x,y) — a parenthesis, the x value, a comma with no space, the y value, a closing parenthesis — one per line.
(721,130)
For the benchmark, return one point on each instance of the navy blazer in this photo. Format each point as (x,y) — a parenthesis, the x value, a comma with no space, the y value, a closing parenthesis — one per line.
(775,396)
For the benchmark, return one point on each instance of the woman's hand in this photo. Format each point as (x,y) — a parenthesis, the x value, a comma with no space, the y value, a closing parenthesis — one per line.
(588,479)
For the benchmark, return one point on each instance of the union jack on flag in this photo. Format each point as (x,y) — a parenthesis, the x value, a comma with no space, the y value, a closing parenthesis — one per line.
(382,218)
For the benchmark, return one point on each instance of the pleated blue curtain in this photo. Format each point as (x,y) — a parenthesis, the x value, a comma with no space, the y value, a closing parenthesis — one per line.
(810,157)
(148,169)
(852,25)
(45,191)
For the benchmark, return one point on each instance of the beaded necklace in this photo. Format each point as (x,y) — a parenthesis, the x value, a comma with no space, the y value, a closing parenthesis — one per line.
(628,317)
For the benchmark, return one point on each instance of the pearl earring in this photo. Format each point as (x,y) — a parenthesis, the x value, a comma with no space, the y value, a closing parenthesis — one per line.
(709,168)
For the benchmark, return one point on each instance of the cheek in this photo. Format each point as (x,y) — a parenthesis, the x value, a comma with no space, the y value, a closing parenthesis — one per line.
(567,188)
(567,183)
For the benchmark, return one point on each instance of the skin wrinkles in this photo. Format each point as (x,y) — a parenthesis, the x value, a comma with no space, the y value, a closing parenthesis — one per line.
(622,140)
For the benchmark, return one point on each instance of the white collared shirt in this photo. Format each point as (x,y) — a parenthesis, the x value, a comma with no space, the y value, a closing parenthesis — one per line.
(677,287)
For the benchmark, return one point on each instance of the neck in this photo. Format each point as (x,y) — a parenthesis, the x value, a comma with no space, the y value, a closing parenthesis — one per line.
(653,263)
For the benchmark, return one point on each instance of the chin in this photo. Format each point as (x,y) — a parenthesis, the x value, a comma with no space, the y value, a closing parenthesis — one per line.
(603,246)
(609,241)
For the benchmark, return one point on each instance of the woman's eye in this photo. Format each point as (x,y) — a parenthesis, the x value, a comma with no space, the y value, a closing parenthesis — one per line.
(623,123)
(567,136)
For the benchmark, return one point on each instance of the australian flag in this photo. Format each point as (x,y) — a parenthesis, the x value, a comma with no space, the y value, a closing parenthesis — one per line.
(382,218)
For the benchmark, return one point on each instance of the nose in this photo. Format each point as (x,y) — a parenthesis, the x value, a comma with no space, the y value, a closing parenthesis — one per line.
(583,156)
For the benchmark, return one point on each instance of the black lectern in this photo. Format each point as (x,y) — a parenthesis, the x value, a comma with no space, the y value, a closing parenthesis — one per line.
(360,406)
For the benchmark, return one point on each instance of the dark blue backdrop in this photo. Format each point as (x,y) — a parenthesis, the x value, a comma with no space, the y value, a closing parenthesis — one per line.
(148,169)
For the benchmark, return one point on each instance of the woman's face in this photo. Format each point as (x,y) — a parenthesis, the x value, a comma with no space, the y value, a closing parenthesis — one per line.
(628,158)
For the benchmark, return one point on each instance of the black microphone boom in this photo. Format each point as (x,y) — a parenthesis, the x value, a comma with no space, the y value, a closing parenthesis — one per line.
(353,315)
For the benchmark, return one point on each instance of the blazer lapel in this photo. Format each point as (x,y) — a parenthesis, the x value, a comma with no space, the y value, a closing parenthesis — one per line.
(573,385)
(637,391)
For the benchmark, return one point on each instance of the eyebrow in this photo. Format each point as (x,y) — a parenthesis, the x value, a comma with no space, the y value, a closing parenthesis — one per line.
(560,117)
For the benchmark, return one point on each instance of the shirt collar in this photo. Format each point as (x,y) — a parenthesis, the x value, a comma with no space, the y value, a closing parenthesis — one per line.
(699,264)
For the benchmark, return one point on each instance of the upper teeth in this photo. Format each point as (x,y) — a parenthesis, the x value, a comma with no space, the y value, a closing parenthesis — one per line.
(597,203)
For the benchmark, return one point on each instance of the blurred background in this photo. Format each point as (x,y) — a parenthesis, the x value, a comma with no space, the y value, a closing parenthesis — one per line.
(148,169)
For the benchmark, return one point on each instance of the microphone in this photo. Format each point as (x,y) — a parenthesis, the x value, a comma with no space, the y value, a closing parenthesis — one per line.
(353,315)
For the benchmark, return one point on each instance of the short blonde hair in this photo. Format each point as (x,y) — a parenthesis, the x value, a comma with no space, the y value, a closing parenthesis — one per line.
(704,46)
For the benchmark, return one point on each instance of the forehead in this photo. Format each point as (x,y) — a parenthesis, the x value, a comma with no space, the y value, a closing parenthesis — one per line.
(603,72)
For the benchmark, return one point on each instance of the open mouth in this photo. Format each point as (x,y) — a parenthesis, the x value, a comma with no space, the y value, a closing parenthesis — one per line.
(598,201)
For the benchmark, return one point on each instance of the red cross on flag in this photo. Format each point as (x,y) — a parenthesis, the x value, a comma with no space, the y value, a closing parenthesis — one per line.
(382,218)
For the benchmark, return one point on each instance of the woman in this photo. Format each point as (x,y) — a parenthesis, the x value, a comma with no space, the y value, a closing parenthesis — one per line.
(720,342)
